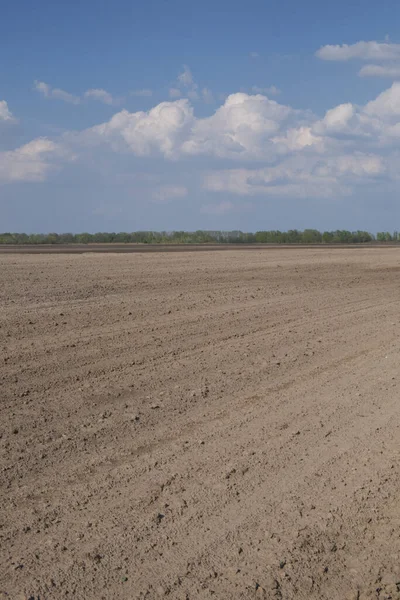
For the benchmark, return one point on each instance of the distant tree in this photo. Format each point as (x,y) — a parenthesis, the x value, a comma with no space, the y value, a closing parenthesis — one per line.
(83,238)
(293,236)
(362,237)
(261,237)
(311,236)
(37,238)
(66,238)
(383,236)
(327,237)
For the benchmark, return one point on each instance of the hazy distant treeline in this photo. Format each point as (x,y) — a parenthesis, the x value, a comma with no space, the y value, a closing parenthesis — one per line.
(293,236)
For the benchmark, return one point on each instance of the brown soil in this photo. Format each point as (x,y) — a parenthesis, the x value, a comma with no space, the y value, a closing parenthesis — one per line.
(200,425)
(141,248)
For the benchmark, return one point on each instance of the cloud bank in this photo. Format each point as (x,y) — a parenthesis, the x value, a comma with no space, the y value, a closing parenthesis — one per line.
(57,94)
(253,145)
(250,145)
(385,57)
(32,162)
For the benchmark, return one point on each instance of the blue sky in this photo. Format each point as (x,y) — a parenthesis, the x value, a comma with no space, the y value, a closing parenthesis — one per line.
(217,115)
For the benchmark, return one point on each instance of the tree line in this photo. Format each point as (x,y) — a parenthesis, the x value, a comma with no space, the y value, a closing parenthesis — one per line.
(293,236)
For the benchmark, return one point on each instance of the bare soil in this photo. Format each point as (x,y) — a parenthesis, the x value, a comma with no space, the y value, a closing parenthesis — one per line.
(200,425)
(141,248)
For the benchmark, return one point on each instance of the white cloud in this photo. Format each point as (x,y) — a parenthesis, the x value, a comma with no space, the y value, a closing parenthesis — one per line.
(362,50)
(251,145)
(298,139)
(335,120)
(31,162)
(186,78)
(299,177)
(145,93)
(244,128)
(254,55)
(169,192)
(55,93)
(358,164)
(272,90)
(379,52)
(49,92)
(65,96)
(338,116)
(241,128)
(101,95)
(387,104)
(187,87)
(44,88)
(391,72)
(5,113)
(158,131)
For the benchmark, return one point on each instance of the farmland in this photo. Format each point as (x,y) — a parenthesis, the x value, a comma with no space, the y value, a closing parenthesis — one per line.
(200,424)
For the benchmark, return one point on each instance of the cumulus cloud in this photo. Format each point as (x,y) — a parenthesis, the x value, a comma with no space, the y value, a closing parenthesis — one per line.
(298,139)
(101,95)
(186,78)
(242,128)
(390,72)
(336,120)
(185,86)
(385,57)
(338,116)
(250,145)
(55,93)
(158,131)
(275,150)
(305,160)
(5,113)
(387,104)
(299,177)
(376,51)
(31,162)
(49,92)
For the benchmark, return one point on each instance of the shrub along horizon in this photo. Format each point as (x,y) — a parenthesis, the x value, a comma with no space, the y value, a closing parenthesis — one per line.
(293,236)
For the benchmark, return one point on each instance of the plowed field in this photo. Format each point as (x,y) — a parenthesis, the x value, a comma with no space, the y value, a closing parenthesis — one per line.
(200,425)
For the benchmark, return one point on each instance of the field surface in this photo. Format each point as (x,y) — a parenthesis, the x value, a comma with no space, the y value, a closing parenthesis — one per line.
(200,425)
